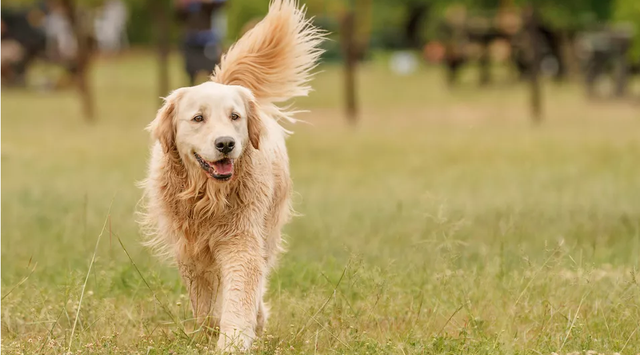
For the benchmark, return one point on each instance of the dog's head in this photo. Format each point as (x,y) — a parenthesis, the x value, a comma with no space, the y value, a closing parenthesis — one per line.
(210,125)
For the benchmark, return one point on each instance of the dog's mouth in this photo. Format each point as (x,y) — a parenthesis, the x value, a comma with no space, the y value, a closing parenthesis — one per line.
(220,170)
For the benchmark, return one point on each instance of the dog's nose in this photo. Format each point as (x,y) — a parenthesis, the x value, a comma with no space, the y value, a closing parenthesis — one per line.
(225,144)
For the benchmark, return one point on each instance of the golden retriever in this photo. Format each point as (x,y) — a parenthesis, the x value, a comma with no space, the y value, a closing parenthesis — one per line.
(218,189)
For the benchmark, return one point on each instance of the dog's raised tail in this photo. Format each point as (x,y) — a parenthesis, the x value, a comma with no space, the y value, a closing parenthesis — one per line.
(275,58)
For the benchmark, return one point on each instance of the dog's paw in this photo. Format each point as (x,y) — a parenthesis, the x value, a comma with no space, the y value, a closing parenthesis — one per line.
(233,341)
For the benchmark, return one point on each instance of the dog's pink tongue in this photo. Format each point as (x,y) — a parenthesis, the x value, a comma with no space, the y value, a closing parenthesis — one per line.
(223,167)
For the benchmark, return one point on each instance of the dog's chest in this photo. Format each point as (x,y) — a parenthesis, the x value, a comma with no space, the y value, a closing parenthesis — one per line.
(218,224)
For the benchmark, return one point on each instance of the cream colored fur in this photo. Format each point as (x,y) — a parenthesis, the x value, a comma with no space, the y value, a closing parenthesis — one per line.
(225,235)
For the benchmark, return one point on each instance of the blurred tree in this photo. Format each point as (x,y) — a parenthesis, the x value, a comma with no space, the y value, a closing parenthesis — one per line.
(81,30)
(354,39)
(575,14)
(628,12)
(162,20)
(348,42)
(531,20)
(241,12)
(141,28)
(81,24)
(401,23)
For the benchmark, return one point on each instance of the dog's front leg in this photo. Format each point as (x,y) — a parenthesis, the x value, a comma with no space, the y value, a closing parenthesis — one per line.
(202,286)
(242,269)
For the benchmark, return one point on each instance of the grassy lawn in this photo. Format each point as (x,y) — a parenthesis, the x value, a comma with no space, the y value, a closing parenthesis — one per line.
(443,223)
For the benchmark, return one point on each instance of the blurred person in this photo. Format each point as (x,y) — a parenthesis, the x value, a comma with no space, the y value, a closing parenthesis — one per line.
(205,26)
(22,42)
(12,54)
(62,45)
(433,52)
(111,26)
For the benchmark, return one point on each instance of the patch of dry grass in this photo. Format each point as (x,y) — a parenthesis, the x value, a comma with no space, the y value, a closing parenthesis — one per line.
(444,223)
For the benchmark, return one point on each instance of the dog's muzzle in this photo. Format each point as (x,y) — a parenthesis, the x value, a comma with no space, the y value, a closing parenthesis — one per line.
(220,170)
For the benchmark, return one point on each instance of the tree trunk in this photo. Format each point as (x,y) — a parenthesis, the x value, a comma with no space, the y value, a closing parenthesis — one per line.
(567,47)
(621,73)
(350,53)
(531,21)
(160,12)
(484,64)
(417,13)
(82,61)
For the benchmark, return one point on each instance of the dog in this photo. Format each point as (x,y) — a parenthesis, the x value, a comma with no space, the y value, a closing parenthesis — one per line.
(218,189)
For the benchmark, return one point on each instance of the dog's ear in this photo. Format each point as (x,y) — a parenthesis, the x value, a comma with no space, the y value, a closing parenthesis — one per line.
(256,127)
(254,122)
(163,127)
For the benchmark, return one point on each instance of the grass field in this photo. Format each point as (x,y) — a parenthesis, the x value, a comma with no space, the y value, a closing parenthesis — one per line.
(444,223)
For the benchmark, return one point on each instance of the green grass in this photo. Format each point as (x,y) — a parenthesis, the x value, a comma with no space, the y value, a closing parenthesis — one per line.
(443,223)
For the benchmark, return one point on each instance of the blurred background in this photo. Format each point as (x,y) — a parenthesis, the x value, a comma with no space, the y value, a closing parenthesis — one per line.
(468,176)
(592,42)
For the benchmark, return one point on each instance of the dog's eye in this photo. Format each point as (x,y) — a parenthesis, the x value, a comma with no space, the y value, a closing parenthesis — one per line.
(234,116)
(198,118)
